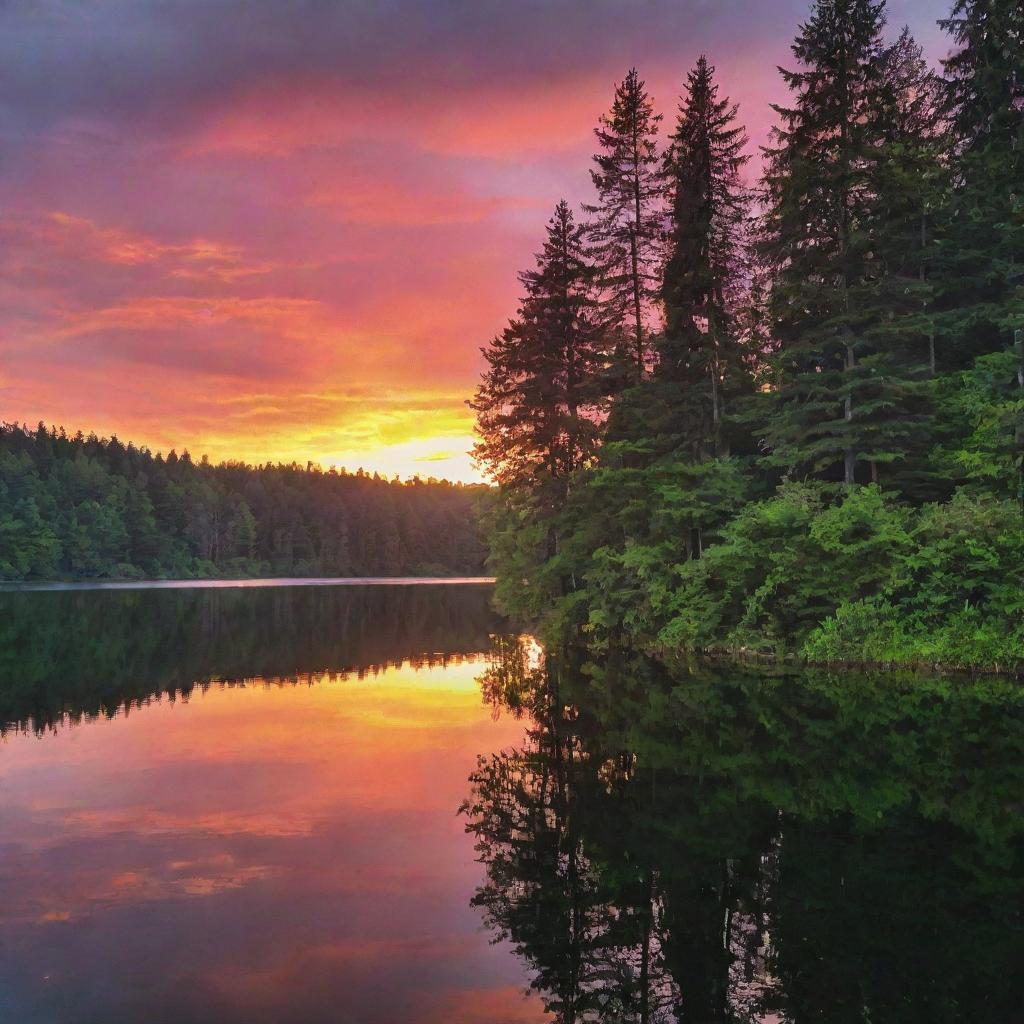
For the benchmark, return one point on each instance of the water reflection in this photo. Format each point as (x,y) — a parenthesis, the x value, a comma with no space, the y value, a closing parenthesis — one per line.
(260,853)
(702,845)
(728,845)
(65,655)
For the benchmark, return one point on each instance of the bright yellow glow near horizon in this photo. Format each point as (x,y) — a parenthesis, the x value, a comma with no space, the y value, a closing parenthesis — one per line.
(446,458)
(434,443)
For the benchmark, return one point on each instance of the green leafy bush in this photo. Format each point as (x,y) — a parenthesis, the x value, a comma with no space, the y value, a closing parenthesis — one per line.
(957,598)
(785,564)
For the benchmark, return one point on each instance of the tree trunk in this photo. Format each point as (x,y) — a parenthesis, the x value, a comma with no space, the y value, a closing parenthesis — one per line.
(714,369)
(850,456)
(637,309)
(695,544)
(922,277)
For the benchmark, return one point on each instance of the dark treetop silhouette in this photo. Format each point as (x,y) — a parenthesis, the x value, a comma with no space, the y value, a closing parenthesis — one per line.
(822,448)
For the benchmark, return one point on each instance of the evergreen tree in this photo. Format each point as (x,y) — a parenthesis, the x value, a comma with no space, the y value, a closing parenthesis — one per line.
(626,220)
(913,185)
(538,409)
(821,190)
(982,296)
(538,405)
(898,354)
(707,263)
(664,484)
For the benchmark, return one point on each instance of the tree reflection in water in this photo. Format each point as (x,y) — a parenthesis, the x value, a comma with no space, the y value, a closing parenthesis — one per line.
(65,656)
(722,844)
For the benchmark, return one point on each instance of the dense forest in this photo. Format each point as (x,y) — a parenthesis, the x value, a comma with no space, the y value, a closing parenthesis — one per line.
(782,412)
(81,507)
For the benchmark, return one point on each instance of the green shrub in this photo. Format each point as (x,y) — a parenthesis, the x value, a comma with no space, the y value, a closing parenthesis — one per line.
(955,599)
(787,563)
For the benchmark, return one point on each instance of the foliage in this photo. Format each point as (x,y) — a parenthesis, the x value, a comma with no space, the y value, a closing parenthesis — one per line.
(827,454)
(624,230)
(86,507)
(986,402)
(653,517)
(784,564)
(957,599)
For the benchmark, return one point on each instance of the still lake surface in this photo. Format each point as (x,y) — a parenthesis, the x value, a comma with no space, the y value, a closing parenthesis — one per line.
(375,804)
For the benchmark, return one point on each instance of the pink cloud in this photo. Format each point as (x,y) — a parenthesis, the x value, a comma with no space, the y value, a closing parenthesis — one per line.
(341,202)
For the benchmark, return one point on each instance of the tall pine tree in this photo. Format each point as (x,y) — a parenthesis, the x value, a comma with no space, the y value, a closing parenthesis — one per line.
(983,267)
(539,409)
(626,219)
(660,487)
(899,349)
(822,186)
(538,404)
(912,185)
(707,264)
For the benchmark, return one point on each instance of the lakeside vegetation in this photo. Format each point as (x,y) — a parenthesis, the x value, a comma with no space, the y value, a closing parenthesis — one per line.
(82,507)
(786,417)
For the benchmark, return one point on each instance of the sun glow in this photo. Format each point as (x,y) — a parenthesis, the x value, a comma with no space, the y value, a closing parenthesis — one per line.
(446,458)
(308,270)
(430,451)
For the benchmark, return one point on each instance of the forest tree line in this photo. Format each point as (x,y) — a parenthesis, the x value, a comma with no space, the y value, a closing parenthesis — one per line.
(79,507)
(783,411)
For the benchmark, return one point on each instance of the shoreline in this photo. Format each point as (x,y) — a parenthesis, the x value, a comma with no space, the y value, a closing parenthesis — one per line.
(43,586)
(795,661)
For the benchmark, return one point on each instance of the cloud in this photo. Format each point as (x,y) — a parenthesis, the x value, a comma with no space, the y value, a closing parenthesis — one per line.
(238,863)
(141,59)
(205,202)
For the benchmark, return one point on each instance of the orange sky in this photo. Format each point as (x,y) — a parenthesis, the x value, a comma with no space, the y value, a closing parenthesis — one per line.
(266,232)
(261,853)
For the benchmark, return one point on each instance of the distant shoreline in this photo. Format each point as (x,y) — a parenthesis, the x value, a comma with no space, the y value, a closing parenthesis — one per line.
(220,584)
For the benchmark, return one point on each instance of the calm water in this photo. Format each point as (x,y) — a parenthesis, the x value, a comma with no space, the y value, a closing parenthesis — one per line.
(228,584)
(373,805)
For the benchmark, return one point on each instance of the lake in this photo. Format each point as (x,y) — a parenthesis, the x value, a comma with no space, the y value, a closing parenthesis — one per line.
(376,804)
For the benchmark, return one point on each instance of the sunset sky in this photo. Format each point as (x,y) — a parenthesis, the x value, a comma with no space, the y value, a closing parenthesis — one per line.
(282,230)
(258,854)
